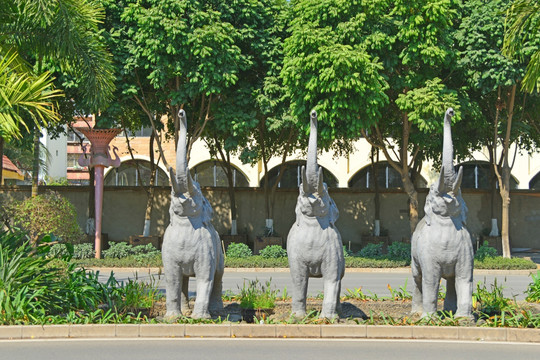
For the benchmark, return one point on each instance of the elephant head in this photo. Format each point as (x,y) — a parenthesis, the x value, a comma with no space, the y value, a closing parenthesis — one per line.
(187,199)
(314,200)
(444,198)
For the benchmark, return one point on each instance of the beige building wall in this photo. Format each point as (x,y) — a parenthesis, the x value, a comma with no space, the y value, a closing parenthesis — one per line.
(123,212)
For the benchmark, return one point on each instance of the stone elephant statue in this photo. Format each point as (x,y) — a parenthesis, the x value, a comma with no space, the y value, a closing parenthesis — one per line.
(314,244)
(191,245)
(441,246)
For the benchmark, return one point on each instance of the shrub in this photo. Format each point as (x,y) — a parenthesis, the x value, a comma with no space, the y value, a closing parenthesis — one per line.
(399,251)
(118,250)
(500,263)
(48,213)
(371,251)
(59,251)
(347,252)
(256,262)
(257,296)
(485,251)
(83,251)
(533,290)
(273,252)
(239,250)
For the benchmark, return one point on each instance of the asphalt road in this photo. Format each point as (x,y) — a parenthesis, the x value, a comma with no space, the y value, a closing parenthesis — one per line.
(240,349)
(377,283)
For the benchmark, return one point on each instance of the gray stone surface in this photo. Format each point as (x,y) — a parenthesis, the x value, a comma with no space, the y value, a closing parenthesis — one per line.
(441,245)
(314,244)
(191,245)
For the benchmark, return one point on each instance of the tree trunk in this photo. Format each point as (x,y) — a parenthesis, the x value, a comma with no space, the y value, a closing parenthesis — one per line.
(35,168)
(151,191)
(413,200)
(1,159)
(505,216)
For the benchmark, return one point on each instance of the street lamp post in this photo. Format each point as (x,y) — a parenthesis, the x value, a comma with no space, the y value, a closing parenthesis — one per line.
(99,158)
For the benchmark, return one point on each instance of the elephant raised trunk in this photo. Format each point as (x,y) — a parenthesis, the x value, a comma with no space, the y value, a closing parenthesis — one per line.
(312,177)
(182,181)
(448,179)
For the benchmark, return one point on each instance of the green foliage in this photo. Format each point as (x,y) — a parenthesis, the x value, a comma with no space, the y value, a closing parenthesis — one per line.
(347,252)
(399,251)
(500,263)
(485,251)
(256,295)
(371,251)
(533,290)
(48,213)
(239,251)
(490,302)
(273,252)
(121,250)
(83,251)
(60,251)
(361,262)
(35,288)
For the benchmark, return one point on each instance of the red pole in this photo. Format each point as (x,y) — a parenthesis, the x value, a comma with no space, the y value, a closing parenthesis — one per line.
(98,171)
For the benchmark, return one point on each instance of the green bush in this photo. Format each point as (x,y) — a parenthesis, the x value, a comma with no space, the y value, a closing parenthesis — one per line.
(347,252)
(273,252)
(500,263)
(118,250)
(533,290)
(371,251)
(48,213)
(485,251)
(399,251)
(83,251)
(59,251)
(257,295)
(239,251)
(360,262)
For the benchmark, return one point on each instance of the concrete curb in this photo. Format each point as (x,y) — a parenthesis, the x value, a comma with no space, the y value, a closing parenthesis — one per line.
(403,270)
(12,332)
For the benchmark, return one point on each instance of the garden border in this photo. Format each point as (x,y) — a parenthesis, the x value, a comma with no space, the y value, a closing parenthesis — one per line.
(329,331)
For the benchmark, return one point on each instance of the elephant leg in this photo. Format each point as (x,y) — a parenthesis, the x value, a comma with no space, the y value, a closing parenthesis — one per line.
(204,288)
(450,301)
(331,294)
(216,301)
(184,299)
(417,307)
(300,276)
(173,287)
(464,287)
(338,298)
(430,291)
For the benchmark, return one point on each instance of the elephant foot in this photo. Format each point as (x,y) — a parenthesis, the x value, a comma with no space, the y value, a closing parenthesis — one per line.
(172,315)
(216,306)
(201,315)
(329,316)
(299,314)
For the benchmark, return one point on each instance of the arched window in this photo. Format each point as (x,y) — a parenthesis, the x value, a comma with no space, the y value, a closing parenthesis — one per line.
(534,184)
(387,178)
(476,175)
(127,175)
(292,176)
(210,173)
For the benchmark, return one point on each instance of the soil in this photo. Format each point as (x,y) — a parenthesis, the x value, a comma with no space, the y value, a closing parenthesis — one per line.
(351,310)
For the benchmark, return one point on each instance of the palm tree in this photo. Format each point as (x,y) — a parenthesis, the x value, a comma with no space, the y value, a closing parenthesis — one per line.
(523,22)
(65,34)
(23,97)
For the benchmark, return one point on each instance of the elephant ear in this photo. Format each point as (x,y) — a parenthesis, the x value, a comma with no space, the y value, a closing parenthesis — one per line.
(305,185)
(428,211)
(334,211)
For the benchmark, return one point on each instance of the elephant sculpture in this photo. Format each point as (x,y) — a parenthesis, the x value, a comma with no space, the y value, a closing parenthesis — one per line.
(441,245)
(314,244)
(191,245)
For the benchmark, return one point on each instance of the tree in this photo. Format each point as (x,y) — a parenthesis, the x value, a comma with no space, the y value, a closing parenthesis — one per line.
(62,33)
(522,24)
(173,55)
(509,115)
(24,98)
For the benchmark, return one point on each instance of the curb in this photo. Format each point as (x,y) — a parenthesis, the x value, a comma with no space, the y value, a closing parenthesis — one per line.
(15,332)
